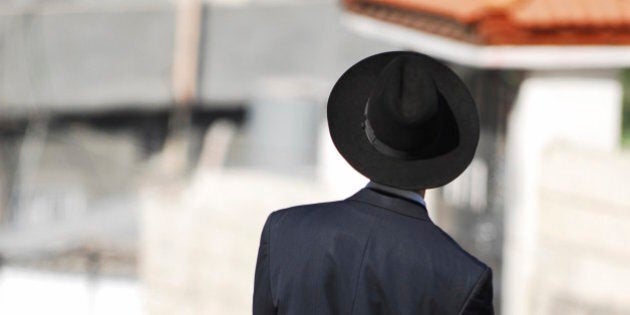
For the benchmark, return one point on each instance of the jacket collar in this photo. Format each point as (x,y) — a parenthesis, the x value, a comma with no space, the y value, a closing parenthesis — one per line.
(391,202)
(406,194)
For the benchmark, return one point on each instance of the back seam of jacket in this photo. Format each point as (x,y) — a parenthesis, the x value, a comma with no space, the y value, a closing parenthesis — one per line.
(356,285)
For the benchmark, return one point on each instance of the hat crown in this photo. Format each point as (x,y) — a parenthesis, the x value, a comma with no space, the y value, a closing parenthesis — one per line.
(405,112)
(410,92)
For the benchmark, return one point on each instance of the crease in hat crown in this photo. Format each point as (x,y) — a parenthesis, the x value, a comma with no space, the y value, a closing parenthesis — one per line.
(404,116)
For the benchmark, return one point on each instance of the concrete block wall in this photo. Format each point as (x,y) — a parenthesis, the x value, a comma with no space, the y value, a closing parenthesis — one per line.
(582,263)
(199,240)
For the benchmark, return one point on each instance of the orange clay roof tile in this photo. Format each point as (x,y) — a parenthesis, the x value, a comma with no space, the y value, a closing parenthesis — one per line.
(577,13)
(462,10)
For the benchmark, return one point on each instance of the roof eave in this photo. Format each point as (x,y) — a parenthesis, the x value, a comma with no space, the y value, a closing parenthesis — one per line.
(541,57)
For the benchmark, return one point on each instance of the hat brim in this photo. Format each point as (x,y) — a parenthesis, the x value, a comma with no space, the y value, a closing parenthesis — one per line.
(346,105)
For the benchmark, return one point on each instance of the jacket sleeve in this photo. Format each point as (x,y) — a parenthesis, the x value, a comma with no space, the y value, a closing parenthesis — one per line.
(263,301)
(480,301)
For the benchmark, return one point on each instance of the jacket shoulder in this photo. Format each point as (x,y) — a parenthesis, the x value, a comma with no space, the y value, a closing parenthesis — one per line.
(305,208)
(480,265)
(314,213)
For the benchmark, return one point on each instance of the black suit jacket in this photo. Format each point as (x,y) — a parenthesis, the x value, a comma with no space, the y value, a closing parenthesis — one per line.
(372,253)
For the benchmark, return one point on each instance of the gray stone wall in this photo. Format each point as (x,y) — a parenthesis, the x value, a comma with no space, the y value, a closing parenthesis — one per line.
(85,57)
(90,55)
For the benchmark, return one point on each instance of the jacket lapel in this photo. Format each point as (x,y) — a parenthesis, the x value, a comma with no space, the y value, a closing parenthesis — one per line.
(391,202)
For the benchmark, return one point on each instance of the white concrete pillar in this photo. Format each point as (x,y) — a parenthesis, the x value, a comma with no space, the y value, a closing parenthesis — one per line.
(579,108)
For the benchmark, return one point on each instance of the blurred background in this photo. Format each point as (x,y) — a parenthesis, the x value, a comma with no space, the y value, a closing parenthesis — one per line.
(144,142)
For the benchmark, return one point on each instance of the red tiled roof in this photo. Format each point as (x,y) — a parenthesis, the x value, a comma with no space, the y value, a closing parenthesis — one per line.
(464,11)
(511,21)
(571,13)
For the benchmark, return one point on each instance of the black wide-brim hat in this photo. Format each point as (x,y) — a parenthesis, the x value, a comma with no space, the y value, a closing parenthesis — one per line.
(347,124)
